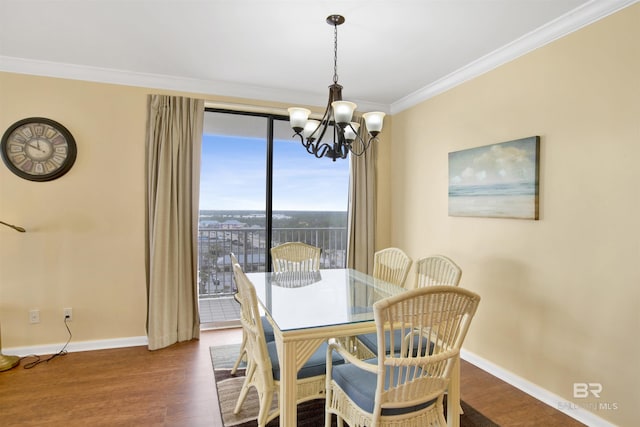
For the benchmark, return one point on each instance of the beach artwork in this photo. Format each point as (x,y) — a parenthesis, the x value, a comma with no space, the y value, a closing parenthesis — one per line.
(496,181)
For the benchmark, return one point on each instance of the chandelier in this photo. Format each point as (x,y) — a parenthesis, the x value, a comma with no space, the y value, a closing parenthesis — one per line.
(338,114)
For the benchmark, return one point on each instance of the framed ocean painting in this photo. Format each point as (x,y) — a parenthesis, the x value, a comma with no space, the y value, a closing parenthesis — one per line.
(496,181)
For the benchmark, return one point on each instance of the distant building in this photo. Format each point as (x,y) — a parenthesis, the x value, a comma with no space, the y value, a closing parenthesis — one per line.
(209,223)
(232,223)
(226,225)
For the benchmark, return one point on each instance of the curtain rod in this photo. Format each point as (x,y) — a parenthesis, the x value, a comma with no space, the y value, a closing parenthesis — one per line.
(254,109)
(246,107)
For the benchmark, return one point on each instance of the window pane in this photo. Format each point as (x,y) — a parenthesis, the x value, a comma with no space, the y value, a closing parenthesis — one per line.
(310,197)
(232,199)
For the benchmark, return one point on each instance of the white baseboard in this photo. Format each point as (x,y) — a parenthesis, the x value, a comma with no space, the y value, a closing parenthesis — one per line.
(77,346)
(574,411)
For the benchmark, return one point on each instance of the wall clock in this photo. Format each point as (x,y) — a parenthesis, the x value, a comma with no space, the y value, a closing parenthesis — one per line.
(38,149)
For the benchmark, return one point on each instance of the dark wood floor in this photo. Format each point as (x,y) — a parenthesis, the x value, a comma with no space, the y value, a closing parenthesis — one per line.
(175,387)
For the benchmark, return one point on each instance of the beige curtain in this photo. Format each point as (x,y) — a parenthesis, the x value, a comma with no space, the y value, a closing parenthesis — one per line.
(173,146)
(362,203)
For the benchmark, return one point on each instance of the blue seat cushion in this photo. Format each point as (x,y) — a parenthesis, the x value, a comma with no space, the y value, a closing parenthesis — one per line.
(316,365)
(268,330)
(371,342)
(360,386)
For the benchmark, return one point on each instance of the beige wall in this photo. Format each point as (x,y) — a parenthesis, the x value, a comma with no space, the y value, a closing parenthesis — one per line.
(84,245)
(560,296)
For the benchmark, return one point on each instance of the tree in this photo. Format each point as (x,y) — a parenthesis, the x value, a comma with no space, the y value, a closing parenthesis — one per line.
(209,267)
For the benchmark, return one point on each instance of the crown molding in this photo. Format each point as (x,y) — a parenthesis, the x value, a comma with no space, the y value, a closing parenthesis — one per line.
(165,82)
(572,21)
(149,80)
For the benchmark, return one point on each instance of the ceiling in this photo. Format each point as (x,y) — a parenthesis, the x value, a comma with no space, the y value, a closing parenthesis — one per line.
(391,54)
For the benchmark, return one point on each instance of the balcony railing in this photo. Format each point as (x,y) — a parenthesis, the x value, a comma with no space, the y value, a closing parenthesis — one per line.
(215,274)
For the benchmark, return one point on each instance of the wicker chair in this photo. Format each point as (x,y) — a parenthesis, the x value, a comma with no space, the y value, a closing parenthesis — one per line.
(263,369)
(391,265)
(403,388)
(266,326)
(295,256)
(437,270)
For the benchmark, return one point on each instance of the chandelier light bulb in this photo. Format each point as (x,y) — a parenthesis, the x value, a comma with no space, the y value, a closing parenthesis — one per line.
(310,129)
(298,117)
(374,121)
(351,131)
(343,111)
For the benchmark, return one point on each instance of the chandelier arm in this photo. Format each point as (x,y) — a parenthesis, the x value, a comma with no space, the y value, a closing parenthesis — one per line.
(321,151)
(344,150)
(317,150)
(300,135)
(323,124)
(356,152)
(365,143)
(334,95)
(361,140)
(357,133)
(307,144)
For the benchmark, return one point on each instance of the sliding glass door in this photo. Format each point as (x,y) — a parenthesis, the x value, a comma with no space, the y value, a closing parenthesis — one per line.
(259,188)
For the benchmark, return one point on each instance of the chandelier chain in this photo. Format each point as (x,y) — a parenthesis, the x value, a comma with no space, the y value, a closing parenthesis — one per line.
(335,53)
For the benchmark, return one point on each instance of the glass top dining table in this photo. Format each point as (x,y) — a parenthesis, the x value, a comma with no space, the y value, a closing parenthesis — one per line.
(297,300)
(308,308)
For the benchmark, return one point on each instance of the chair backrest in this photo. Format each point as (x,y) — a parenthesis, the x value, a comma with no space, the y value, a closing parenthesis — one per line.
(234,259)
(431,323)
(256,343)
(437,270)
(391,265)
(295,256)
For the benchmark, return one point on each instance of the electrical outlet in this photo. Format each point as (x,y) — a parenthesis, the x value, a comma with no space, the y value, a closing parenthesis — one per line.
(68,314)
(34,316)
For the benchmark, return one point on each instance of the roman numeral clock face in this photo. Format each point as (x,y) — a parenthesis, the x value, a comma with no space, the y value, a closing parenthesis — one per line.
(38,149)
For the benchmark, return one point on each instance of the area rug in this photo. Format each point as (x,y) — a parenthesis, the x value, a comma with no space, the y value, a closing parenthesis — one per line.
(310,414)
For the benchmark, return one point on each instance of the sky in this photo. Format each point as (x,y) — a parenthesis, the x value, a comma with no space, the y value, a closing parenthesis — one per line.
(233,176)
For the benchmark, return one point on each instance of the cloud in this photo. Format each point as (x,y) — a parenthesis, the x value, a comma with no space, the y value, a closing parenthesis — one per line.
(494,164)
